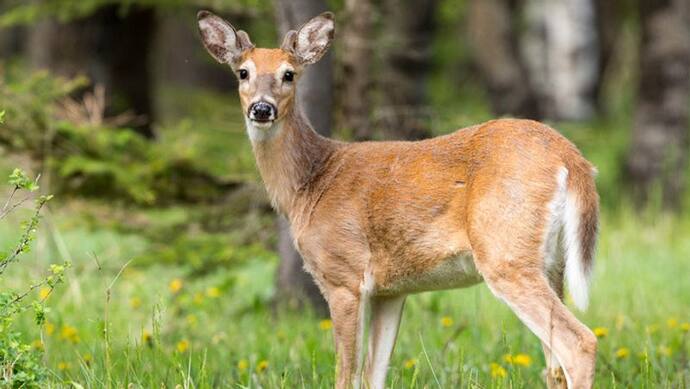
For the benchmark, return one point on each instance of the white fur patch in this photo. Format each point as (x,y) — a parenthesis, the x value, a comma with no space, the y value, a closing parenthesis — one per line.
(261,132)
(554,226)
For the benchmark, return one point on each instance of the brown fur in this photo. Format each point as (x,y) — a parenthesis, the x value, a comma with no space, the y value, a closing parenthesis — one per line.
(394,210)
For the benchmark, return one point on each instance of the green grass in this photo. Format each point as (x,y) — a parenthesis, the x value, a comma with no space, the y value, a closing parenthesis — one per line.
(218,329)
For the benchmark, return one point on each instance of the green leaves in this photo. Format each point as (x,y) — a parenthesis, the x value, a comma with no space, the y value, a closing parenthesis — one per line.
(2,116)
(20,180)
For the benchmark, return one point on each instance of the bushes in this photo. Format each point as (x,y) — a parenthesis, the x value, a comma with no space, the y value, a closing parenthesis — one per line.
(20,364)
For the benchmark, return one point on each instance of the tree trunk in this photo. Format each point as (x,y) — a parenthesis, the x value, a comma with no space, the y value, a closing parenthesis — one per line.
(561,50)
(112,49)
(357,68)
(315,96)
(658,154)
(407,47)
(491,27)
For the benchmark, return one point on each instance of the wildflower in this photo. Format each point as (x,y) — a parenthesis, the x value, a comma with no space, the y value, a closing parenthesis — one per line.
(685,327)
(182,345)
(44,293)
(522,360)
(175,285)
(135,302)
(242,365)
(87,359)
(601,332)
(622,353)
(498,371)
(672,322)
(263,365)
(69,334)
(446,321)
(63,365)
(213,292)
(665,350)
(37,344)
(410,363)
(326,324)
(198,298)
(147,338)
(50,328)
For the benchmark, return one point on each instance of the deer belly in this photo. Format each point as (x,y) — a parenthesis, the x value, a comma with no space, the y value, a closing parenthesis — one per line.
(455,272)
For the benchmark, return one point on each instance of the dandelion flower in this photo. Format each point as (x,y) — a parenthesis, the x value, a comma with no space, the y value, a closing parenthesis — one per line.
(672,322)
(182,345)
(69,334)
(37,344)
(50,328)
(410,363)
(63,366)
(175,285)
(242,365)
(44,293)
(601,332)
(87,359)
(263,365)
(522,360)
(622,353)
(507,358)
(497,371)
(446,321)
(147,338)
(213,292)
(685,327)
(326,324)
(135,302)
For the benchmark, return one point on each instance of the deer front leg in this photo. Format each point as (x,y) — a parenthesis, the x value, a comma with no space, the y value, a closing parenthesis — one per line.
(347,312)
(385,322)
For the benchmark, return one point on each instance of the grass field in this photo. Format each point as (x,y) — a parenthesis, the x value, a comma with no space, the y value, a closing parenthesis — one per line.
(115,323)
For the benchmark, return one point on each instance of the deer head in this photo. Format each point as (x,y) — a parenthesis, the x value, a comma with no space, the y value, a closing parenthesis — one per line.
(267,77)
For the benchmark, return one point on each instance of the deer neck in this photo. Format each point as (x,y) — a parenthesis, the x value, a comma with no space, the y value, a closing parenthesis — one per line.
(291,158)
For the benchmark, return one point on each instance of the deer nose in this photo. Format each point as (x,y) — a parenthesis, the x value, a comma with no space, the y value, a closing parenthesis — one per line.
(262,111)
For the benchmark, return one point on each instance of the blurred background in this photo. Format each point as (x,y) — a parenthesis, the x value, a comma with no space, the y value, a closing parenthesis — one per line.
(139,135)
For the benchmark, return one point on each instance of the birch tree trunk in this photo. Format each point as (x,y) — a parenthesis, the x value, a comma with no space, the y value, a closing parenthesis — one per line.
(315,97)
(659,150)
(561,51)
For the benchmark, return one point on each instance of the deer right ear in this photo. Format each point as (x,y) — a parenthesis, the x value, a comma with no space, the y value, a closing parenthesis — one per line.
(221,40)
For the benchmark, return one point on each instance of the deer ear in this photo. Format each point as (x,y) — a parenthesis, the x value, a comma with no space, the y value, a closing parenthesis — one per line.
(221,40)
(312,40)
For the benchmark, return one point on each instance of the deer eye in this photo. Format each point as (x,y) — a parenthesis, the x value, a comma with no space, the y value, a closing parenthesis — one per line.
(243,74)
(288,76)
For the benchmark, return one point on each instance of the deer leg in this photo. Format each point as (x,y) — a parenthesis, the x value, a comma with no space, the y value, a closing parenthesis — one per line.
(386,313)
(347,312)
(569,342)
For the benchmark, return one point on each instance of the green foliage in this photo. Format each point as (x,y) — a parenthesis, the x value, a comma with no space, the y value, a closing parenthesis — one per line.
(20,362)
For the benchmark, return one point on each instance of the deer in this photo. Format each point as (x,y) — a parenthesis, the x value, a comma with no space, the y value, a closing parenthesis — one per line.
(509,202)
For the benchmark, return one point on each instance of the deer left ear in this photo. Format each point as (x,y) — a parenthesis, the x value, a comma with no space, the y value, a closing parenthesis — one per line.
(222,41)
(312,40)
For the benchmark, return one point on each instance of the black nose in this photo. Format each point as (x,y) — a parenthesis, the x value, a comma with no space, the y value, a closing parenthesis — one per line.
(262,111)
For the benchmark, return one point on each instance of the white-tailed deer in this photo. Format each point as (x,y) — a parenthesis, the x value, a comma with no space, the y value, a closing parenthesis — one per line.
(509,202)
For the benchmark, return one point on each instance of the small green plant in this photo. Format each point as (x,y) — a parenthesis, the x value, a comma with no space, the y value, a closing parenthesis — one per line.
(20,363)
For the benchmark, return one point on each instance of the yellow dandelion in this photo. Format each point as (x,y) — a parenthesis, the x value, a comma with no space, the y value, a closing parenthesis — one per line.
(44,293)
(326,324)
(522,360)
(49,327)
(665,350)
(622,353)
(198,298)
(69,334)
(87,359)
(263,365)
(601,332)
(213,292)
(37,344)
(147,338)
(410,363)
(446,321)
(497,371)
(182,345)
(135,302)
(672,322)
(685,327)
(242,365)
(63,366)
(507,358)
(175,285)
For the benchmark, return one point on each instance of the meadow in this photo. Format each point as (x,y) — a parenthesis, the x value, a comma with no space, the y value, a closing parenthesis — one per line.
(142,309)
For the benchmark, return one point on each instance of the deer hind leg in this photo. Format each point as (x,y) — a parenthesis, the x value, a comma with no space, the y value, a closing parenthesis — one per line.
(386,313)
(348,310)
(555,267)
(527,292)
